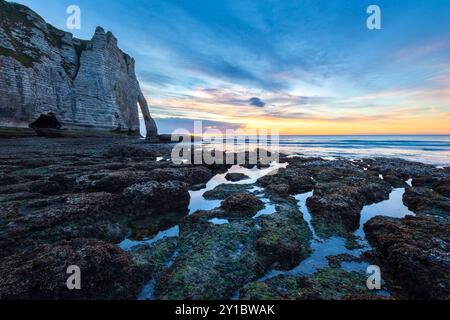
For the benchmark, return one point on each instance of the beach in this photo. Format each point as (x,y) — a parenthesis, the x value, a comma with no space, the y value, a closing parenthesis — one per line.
(141,227)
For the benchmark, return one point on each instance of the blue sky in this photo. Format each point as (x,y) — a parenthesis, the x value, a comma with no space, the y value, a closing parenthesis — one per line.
(300,66)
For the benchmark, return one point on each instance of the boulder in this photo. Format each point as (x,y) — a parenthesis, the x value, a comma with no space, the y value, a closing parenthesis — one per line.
(281,190)
(283,240)
(235,177)
(426,201)
(156,196)
(415,249)
(106,272)
(242,204)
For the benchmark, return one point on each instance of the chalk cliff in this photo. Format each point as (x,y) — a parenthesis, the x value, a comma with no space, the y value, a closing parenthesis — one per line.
(87,85)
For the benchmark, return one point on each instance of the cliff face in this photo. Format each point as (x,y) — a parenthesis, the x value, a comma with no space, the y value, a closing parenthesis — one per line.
(88,85)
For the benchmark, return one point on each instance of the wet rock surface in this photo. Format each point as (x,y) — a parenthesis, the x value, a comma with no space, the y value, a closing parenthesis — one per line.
(416,251)
(426,201)
(342,201)
(157,196)
(74,201)
(223,191)
(235,176)
(242,203)
(283,239)
(326,284)
(107,272)
(213,260)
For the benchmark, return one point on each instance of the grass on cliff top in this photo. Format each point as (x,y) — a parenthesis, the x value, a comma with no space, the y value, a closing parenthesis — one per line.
(24,59)
(14,12)
(13,16)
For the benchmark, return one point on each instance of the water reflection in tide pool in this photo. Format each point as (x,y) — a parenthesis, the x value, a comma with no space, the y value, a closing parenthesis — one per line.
(323,247)
(393,207)
(128,244)
(198,202)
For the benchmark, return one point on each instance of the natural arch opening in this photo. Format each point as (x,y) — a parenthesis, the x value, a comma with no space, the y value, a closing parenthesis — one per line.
(46,121)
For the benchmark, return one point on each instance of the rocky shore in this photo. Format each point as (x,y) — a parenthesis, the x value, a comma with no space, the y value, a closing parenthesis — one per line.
(75,201)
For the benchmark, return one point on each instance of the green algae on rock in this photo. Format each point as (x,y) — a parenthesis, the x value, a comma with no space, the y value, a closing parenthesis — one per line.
(325,284)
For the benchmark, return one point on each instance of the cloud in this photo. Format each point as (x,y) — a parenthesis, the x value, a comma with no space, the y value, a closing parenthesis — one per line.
(169,125)
(257,102)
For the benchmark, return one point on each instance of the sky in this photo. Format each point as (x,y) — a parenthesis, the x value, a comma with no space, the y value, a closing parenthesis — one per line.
(298,66)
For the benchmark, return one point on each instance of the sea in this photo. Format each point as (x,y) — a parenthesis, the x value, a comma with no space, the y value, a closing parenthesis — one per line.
(430,149)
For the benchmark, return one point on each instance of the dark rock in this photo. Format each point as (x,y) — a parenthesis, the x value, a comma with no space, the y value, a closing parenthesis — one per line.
(198,187)
(425,201)
(6,179)
(443,187)
(416,252)
(225,190)
(395,181)
(213,261)
(156,196)
(242,204)
(155,258)
(106,272)
(337,260)
(281,190)
(129,151)
(58,217)
(402,168)
(297,180)
(343,206)
(283,239)
(191,175)
(325,284)
(112,181)
(341,202)
(424,181)
(235,177)
(300,184)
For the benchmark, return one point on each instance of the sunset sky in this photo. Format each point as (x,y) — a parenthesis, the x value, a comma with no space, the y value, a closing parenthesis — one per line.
(303,67)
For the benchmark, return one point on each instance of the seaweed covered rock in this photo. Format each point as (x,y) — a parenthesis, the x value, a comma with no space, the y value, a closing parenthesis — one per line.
(58,217)
(113,182)
(213,261)
(395,181)
(443,187)
(156,196)
(192,175)
(426,201)
(128,151)
(341,202)
(325,284)
(225,190)
(297,180)
(415,249)
(283,239)
(281,190)
(106,272)
(242,204)
(402,168)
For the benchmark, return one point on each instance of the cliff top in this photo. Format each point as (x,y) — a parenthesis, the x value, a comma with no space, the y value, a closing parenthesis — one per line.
(13,14)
